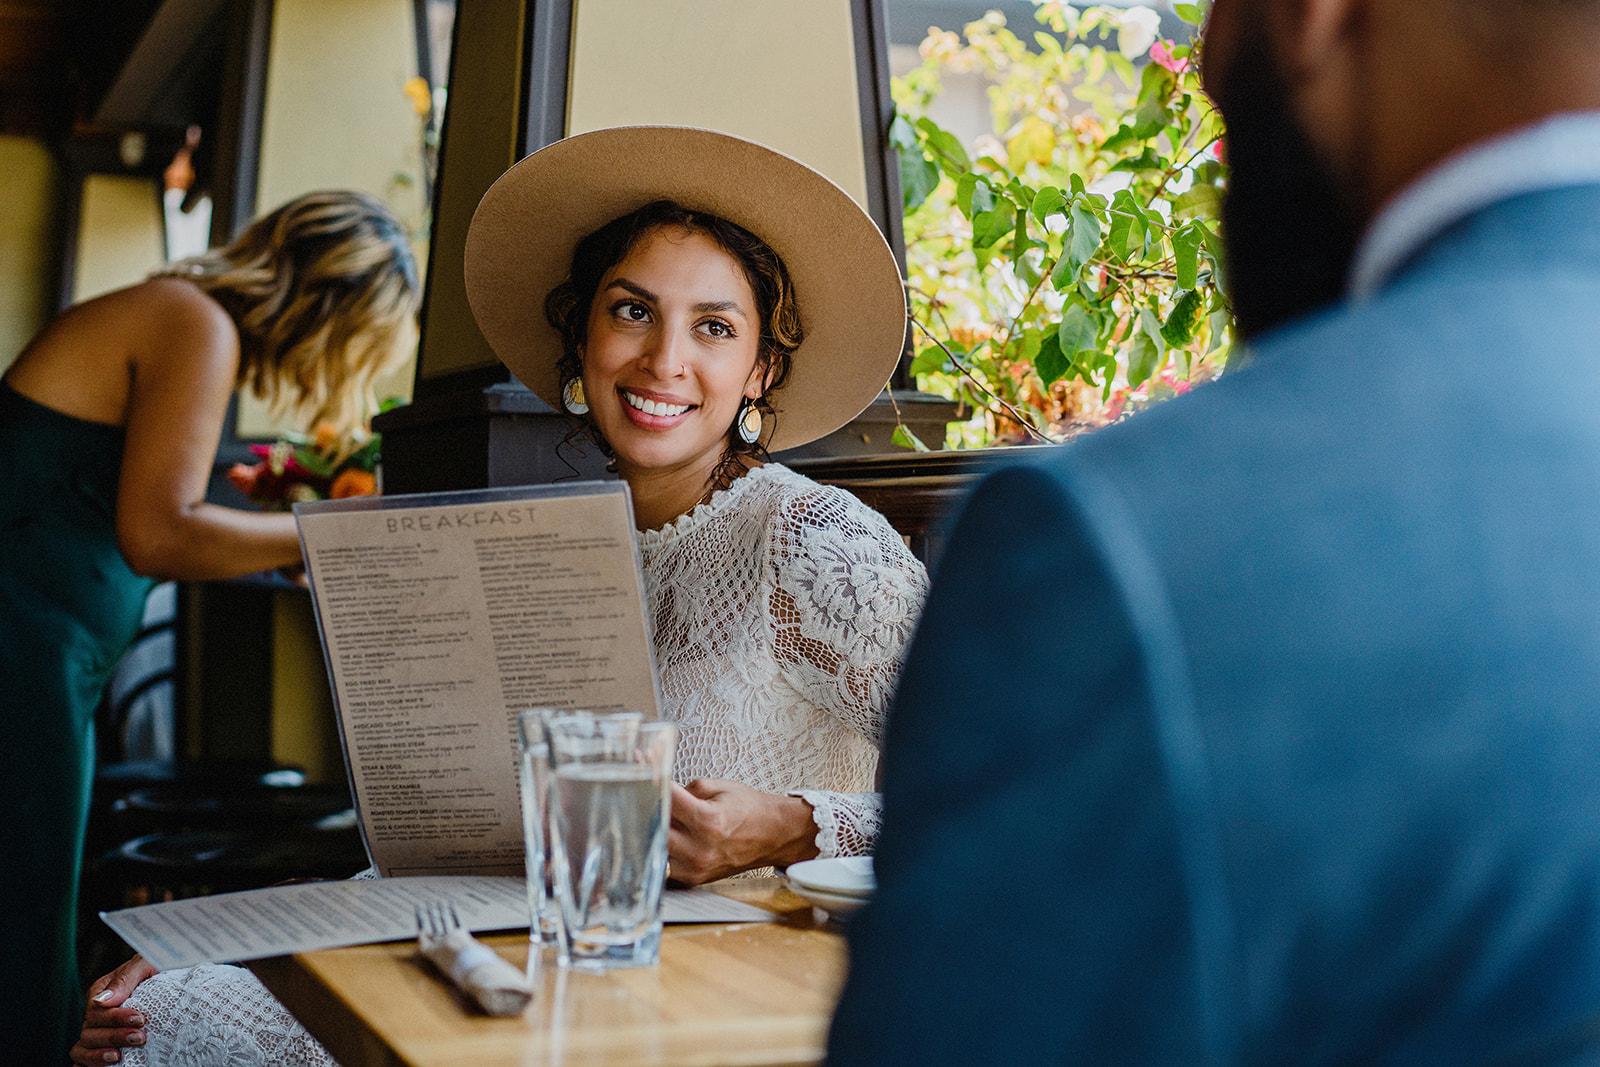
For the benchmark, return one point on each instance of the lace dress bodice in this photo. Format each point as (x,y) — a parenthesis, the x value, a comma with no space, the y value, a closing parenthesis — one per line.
(781,609)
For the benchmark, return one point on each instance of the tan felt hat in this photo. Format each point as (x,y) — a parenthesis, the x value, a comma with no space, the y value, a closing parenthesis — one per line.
(847,284)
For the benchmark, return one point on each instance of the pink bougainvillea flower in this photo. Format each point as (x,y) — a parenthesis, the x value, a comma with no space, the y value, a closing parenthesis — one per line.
(1161,55)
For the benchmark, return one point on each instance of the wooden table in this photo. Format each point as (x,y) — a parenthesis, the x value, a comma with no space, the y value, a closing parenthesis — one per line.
(724,994)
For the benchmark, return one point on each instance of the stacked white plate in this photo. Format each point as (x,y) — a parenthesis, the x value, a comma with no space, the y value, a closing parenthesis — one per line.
(838,886)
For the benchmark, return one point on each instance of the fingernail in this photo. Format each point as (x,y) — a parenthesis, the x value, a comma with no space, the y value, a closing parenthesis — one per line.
(112,1057)
(102,996)
(136,1039)
(137,1020)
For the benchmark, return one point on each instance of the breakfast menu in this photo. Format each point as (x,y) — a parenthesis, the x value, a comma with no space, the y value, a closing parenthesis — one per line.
(443,615)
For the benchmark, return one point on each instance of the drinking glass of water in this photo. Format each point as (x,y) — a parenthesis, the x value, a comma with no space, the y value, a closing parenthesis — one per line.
(534,769)
(610,805)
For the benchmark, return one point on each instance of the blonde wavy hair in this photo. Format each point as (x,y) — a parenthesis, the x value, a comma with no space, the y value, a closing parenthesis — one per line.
(324,293)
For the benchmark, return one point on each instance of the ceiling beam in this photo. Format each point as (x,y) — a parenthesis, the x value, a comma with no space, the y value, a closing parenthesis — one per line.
(156,60)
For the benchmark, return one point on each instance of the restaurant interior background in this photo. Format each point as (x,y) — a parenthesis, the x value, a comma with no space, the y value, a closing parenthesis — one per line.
(97,97)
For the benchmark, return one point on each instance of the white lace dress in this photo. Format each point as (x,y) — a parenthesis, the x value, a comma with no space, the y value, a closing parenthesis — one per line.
(781,610)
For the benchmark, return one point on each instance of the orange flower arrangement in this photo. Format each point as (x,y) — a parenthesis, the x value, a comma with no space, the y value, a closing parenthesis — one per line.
(298,468)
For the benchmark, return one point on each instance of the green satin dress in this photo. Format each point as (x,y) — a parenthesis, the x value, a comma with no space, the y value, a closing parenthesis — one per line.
(69,608)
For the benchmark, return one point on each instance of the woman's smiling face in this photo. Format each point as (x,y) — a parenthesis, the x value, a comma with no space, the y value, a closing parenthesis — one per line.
(670,351)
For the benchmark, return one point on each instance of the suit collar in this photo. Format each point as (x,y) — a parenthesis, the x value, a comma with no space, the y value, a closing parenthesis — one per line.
(1558,152)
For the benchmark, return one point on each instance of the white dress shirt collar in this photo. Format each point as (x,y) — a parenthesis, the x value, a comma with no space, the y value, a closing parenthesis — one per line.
(1560,151)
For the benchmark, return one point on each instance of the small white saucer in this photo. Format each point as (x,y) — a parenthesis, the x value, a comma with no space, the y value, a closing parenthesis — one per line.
(841,876)
(832,903)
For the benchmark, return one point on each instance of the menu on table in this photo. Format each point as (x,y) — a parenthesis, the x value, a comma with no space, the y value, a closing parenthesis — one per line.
(257,923)
(443,615)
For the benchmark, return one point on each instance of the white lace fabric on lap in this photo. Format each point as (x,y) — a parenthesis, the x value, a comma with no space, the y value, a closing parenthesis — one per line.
(781,612)
(211,1016)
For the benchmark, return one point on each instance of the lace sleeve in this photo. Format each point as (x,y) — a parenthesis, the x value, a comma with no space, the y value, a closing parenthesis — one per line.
(221,1017)
(847,823)
(846,596)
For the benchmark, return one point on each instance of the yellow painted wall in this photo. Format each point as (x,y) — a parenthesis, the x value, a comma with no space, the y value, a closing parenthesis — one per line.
(304,728)
(336,116)
(29,185)
(782,72)
(119,234)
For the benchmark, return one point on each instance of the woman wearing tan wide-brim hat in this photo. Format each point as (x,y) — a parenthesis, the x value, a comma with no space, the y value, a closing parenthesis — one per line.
(696,298)
(697,278)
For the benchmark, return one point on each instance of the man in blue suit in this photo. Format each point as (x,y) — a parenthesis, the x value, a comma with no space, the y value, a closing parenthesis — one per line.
(1265,728)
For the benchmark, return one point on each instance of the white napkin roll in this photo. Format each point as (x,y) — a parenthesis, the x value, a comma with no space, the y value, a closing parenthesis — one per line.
(479,971)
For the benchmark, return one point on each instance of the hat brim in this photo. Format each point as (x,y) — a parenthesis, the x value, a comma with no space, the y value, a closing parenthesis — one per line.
(847,284)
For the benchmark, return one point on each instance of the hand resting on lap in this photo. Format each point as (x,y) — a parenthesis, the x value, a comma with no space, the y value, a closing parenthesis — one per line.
(107,1026)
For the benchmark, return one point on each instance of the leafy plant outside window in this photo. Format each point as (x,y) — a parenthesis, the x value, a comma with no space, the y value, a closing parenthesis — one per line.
(1064,270)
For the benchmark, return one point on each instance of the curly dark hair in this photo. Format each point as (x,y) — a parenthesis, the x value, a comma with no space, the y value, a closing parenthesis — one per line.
(568,305)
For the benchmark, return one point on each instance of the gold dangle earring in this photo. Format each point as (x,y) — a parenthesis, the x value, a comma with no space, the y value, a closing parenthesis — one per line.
(749,423)
(572,397)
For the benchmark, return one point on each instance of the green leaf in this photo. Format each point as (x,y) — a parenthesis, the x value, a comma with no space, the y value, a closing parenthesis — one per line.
(1184,321)
(931,360)
(1081,243)
(1021,245)
(946,146)
(1076,331)
(1186,251)
(1145,161)
(1048,201)
(1150,323)
(1220,321)
(1189,13)
(1128,229)
(1152,117)
(906,439)
(1144,356)
(314,462)
(1156,82)
(973,195)
(1214,250)
(1199,202)
(1086,234)
(1125,136)
(919,177)
(901,133)
(989,226)
(1051,364)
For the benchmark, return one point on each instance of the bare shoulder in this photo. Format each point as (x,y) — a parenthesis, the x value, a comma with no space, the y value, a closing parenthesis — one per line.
(84,361)
(173,308)
(160,314)
(183,340)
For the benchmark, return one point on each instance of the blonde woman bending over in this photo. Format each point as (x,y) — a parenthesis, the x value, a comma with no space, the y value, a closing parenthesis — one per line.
(109,424)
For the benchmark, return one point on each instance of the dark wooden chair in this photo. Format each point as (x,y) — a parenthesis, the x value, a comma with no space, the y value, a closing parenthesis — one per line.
(915,491)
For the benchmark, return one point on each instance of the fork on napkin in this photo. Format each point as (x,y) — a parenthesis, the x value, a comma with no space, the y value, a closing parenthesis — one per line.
(479,971)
